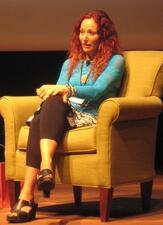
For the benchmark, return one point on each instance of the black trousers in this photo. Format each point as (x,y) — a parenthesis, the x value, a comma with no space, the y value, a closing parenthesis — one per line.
(50,123)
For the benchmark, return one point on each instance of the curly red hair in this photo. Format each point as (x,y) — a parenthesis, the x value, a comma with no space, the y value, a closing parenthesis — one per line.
(108,46)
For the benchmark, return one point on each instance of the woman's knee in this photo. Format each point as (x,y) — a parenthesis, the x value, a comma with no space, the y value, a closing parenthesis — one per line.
(55,102)
(53,99)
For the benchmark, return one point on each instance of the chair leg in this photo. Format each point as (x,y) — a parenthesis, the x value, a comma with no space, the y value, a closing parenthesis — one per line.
(77,190)
(106,195)
(14,191)
(146,192)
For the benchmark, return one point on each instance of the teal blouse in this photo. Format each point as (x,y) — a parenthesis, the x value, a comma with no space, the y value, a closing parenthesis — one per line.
(94,92)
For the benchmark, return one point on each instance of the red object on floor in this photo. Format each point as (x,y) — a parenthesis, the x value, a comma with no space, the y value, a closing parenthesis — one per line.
(4,197)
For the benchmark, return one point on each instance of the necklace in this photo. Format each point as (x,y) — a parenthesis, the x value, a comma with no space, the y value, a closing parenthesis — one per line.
(83,77)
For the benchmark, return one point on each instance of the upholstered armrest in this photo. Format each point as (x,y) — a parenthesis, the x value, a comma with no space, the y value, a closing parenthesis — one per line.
(134,111)
(121,122)
(129,108)
(126,108)
(15,111)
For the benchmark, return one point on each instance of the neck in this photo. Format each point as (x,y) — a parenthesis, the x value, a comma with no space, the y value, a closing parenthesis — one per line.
(88,62)
(89,57)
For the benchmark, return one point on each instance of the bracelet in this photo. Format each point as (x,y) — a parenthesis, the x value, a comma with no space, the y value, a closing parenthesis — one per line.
(71,90)
(68,90)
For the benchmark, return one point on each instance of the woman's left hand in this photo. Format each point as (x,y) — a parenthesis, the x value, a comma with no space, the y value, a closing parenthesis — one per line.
(49,89)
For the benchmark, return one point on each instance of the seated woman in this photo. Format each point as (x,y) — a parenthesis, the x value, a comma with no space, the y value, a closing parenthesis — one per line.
(92,73)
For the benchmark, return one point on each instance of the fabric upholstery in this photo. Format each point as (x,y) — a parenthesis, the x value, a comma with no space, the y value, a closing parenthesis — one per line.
(76,140)
(119,149)
(142,71)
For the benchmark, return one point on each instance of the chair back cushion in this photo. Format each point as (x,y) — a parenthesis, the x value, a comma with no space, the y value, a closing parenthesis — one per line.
(144,74)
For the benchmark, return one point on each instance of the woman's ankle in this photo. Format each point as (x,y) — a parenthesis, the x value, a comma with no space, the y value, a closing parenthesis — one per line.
(26,196)
(46,165)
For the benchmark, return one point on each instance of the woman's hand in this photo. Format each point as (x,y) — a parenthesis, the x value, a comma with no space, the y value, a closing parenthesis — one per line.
(50,89)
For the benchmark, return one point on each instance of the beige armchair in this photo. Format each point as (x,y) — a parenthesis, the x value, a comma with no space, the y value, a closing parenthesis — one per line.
(120,149)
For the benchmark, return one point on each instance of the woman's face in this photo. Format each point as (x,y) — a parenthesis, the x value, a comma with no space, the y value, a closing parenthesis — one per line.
(89,37)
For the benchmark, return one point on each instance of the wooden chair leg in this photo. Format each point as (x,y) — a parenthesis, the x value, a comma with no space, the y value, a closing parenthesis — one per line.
(146,192)
(106,195)
(77,190)
(14,191)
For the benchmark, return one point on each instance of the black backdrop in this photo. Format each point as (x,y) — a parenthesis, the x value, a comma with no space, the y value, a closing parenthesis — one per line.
(22,72)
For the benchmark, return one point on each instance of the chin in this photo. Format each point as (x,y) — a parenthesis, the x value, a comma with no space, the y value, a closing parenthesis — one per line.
(86,51)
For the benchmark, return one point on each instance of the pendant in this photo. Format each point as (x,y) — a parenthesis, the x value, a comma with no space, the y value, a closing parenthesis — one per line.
(84,78)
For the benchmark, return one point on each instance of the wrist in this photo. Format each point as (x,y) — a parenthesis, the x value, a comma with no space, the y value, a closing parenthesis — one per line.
(70,90)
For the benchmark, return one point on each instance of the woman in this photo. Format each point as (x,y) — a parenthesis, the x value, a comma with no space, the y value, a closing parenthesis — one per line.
(92,73)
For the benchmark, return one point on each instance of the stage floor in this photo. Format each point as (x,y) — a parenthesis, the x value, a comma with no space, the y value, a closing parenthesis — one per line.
(126,207)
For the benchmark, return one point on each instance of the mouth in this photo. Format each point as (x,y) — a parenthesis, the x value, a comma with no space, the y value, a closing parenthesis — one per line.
(86,45)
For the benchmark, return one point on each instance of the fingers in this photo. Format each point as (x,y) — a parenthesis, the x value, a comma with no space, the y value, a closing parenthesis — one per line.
(64,98)
(46,90)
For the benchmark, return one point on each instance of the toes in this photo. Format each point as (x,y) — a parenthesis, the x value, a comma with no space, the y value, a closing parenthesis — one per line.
(10,214)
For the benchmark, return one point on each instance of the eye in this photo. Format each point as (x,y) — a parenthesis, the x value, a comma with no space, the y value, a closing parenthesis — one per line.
(81,31)
(91,32)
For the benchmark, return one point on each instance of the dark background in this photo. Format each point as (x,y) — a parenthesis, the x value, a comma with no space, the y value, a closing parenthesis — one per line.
(22,72)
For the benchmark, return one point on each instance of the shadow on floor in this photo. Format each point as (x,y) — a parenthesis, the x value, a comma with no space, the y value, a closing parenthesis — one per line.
(121,207)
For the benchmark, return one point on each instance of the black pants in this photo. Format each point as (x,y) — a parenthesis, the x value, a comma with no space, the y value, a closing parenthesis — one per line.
(50,123)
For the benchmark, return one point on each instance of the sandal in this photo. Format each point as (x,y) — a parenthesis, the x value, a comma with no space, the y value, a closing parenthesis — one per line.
(45,182)
(17,215)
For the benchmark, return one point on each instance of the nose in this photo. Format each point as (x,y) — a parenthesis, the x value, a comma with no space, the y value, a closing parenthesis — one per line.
(85,37)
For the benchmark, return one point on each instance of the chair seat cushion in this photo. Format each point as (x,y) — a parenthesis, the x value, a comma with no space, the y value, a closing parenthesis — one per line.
(76,141)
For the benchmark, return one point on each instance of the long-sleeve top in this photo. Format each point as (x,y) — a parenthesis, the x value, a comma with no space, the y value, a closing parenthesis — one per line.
(94,92)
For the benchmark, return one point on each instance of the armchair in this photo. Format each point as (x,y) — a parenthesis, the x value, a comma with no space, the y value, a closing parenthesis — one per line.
(120,149)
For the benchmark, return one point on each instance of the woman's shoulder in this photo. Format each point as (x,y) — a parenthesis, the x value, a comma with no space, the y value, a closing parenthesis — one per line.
(117,58)
(66,62)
